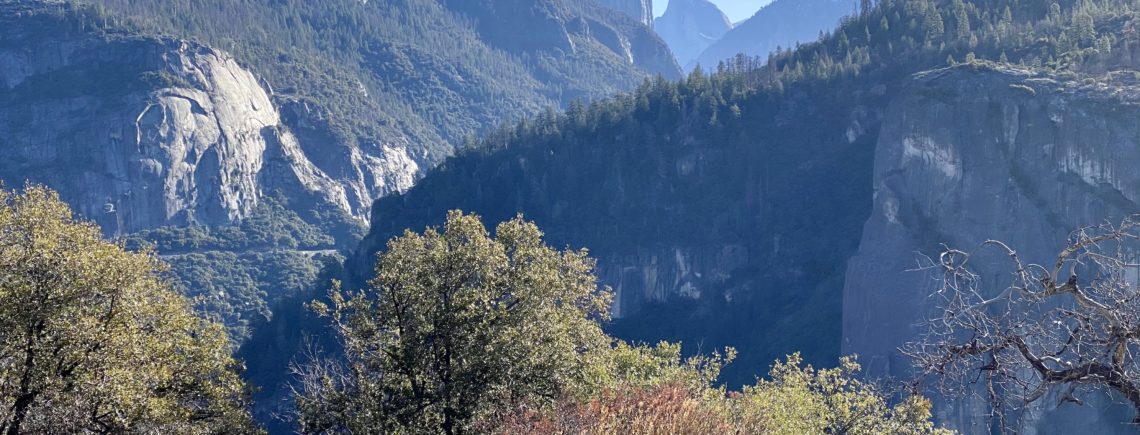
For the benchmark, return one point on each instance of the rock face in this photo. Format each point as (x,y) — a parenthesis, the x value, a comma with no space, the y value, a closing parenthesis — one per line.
(640,10)
(697,219)
(138,133)
(782,24)
(964,156)
(690,26)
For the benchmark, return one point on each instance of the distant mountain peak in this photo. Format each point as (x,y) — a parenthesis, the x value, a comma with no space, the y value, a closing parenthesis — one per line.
(781,23)
(690,26)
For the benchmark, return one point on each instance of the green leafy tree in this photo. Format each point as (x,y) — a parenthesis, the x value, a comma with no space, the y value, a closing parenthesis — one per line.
(798,399)
(455,324)
(92,341)
(464,332)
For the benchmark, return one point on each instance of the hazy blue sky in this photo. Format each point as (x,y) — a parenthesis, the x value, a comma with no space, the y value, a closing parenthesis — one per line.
(735,9)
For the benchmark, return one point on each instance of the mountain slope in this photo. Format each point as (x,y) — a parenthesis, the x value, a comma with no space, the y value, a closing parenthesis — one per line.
(690,26)
(431,71)
(138,113)
(640,10)
(724,209)
(141,132)
(971,154)
(780,24)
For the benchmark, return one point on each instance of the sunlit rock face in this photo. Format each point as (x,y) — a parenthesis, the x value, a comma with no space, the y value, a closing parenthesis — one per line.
(969,154)
(144,132)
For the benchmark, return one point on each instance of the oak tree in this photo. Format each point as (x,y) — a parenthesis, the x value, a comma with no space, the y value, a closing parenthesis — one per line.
(93,341)
(455,324)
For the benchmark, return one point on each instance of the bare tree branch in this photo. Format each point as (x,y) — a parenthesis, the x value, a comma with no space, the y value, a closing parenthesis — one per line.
(1041,332)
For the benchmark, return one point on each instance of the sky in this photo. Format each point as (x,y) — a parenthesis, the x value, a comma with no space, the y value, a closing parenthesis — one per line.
(735,9)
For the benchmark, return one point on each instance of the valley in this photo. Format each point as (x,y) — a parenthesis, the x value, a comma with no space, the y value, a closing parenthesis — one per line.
(776,186)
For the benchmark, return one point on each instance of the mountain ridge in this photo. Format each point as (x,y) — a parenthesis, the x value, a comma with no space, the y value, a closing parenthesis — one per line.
(738,198)
(136,114)
(780,24)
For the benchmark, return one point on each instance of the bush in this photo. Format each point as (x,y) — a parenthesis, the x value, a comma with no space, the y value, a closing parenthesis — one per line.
(795,400)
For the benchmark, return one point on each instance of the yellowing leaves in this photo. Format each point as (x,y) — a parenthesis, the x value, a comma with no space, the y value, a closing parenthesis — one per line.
(92,340)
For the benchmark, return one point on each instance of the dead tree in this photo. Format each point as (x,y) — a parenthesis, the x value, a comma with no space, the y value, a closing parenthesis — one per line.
(1047,330)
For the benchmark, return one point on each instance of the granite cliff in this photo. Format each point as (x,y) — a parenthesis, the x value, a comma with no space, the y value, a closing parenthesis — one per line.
(230,160)
(973,153)
(170,131)
(140,132)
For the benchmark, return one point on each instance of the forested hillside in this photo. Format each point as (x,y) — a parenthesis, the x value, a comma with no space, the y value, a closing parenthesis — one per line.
(247,140)
(725,207)
(94,340)
(429,71)
(779,25)
(762,209)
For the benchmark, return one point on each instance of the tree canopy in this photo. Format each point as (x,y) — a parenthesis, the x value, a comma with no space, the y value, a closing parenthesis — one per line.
(455,323)
(92,340)
(461,331)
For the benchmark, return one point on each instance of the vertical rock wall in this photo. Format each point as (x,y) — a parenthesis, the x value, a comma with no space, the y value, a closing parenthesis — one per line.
(964,156)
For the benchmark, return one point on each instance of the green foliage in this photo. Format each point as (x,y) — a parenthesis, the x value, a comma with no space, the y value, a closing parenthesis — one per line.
(92,340)
(794,400)
(638,367)
(772,158)
(454,324)
(237,273)
(239,289)
(798,399)
(419,69)
(912,34)
(270,226)
(461,331)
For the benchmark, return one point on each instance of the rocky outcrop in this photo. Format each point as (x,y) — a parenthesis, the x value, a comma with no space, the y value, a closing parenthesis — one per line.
(648,275)
(698,220)
(968,154)
(141,132)
(690,26)
(640,10)
(635,44)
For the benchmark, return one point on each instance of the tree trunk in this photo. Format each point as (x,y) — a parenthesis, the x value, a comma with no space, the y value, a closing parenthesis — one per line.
(27,396)
(20,412)
(448,424)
